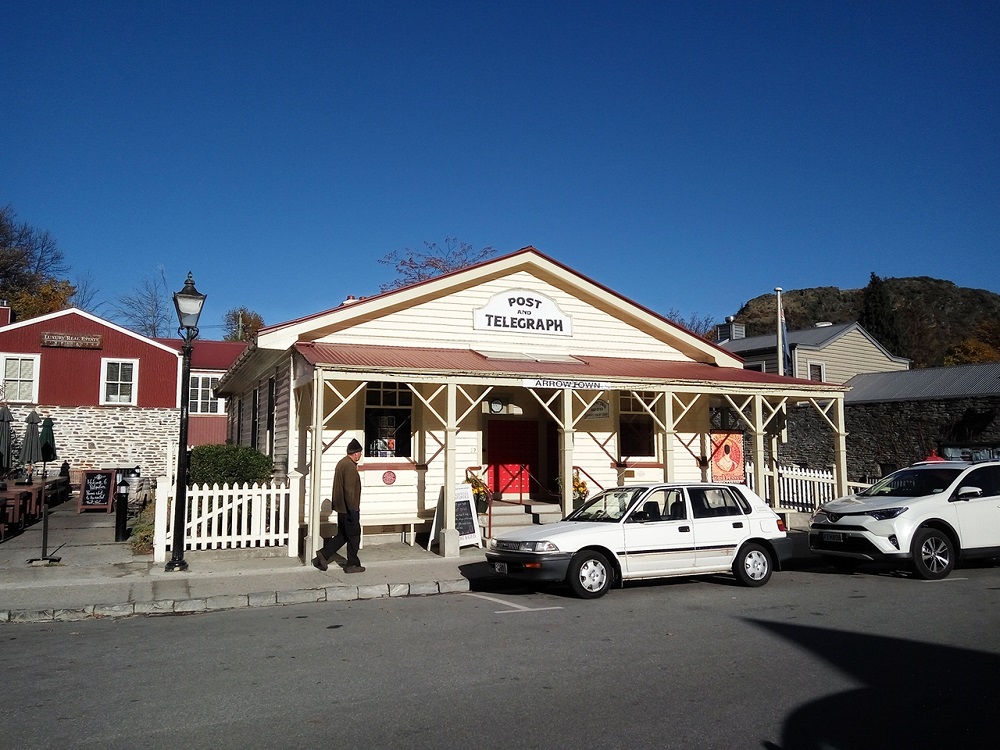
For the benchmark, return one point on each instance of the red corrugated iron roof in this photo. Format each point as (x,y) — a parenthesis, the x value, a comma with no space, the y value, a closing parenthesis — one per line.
(210,355)
(468,361)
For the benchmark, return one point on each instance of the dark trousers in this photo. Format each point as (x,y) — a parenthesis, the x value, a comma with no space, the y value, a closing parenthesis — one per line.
(349,533)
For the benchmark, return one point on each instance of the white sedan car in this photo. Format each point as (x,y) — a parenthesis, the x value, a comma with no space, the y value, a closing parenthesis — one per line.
(648,531)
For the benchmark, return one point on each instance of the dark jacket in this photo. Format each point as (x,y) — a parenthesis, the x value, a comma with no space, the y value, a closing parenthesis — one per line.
(346,486)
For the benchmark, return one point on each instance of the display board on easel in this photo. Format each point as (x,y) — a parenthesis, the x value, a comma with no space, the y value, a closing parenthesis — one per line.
(96,490)
(466,518)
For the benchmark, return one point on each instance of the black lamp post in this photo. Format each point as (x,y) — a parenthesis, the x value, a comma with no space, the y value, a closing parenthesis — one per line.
(188,303)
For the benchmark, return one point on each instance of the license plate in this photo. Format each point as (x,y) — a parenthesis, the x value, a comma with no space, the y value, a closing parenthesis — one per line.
(500,567)
(832,536)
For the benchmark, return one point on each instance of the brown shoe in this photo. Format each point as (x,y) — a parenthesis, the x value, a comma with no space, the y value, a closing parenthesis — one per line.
(320,562)
(354,569)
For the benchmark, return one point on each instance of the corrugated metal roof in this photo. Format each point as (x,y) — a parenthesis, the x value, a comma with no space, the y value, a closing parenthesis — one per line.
(815,336)
(400,358)
(210,355)
(924,385)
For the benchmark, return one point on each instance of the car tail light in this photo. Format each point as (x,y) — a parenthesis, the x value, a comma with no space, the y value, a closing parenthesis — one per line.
(781,524)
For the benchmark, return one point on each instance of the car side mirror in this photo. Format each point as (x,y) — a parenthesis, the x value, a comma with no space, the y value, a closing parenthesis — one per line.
(640,516)
(967,493)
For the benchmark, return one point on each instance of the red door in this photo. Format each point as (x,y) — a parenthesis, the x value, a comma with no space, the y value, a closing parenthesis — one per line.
(513,454)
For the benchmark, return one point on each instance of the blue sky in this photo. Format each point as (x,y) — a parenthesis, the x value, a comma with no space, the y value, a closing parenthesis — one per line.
(689,155)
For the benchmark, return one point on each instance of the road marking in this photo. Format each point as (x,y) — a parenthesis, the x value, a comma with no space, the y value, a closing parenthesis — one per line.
(515,607)
(945,580)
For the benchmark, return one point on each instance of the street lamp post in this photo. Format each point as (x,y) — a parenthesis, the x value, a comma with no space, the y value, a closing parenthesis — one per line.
(188,303)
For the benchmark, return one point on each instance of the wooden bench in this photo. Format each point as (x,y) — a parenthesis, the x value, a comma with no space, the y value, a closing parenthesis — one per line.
(408,520)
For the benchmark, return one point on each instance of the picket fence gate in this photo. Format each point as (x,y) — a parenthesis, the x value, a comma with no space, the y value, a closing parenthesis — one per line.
(224,517)
(799,489)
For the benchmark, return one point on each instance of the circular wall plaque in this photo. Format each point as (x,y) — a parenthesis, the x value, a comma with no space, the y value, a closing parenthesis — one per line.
(389,477)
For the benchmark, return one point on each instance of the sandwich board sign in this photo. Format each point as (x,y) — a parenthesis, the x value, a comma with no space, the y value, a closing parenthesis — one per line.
(466,518)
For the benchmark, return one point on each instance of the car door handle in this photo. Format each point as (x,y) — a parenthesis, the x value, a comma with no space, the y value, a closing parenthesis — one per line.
(684,528)
(737,524)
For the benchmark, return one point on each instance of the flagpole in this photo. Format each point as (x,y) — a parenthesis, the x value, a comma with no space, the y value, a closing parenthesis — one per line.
(781,343)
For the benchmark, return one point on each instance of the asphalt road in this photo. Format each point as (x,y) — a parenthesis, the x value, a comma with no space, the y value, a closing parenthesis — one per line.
(812,660)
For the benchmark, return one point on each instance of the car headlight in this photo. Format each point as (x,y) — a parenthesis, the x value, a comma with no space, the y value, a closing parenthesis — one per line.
(886,513)
(538,547)
(512,546)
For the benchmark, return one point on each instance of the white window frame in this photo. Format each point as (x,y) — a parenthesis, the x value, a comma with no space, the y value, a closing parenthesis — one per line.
(194,403)
(105,361)
(37,362)
(755,366)
(822,370)
(637,410)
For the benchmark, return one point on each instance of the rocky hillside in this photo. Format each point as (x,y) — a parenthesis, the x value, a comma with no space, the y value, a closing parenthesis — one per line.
(933,313)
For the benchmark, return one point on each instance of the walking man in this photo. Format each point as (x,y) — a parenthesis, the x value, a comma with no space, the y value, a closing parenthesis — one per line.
(347,502)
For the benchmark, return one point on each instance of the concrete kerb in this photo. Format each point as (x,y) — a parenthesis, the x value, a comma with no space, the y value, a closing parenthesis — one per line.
(333,593)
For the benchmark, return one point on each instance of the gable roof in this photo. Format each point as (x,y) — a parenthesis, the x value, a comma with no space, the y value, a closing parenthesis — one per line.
(932,383)
(313,327)
(74,311)
(815,337)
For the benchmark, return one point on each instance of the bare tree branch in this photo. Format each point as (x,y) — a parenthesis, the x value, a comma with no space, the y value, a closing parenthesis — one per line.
(413,266)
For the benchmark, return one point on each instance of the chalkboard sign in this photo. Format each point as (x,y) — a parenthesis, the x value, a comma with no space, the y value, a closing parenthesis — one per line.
(96,490)
(466,518)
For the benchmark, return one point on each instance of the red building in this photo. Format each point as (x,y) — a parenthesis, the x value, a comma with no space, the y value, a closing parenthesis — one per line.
(113,394)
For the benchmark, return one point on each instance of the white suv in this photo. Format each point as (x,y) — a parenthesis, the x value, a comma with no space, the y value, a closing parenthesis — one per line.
(926,516)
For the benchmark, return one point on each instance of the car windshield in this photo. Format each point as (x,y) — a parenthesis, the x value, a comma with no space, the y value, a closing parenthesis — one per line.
(610,505)
(913,483)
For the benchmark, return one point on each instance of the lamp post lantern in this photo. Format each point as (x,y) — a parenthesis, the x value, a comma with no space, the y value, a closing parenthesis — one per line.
(188,302)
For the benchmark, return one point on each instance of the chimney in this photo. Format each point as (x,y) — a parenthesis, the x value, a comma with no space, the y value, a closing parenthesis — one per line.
(4,313)
(730,330)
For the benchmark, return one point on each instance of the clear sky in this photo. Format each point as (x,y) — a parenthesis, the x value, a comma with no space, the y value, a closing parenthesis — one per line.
(689,155)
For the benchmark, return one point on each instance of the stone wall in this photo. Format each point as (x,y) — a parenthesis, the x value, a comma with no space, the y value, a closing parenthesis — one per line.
(891,434)
(88,437)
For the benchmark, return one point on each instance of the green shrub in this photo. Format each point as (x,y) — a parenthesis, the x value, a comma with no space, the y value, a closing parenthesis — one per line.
(141,538)
(229,464)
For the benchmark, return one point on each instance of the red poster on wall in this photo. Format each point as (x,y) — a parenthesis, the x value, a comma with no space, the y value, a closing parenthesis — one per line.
(727,457)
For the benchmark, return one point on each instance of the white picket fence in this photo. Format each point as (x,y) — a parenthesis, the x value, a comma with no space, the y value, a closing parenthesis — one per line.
(224,517)
(799,489)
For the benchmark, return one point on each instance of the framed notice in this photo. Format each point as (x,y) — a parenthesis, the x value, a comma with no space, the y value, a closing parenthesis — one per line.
(97,490)
(466,518)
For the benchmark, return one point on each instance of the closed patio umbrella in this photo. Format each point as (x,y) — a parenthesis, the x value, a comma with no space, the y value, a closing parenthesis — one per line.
(31,446)
(5,443)
(31,453)
(47,441)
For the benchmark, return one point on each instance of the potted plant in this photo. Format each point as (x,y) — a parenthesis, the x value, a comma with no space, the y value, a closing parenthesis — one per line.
(579,488)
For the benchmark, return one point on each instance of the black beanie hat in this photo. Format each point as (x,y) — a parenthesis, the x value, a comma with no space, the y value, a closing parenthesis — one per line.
(354,446)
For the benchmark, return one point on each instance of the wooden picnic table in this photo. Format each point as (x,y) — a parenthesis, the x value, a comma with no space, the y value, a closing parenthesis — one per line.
(22,503)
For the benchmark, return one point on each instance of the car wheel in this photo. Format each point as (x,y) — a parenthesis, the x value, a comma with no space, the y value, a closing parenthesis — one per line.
(590,575)
(933,554)
(752,566)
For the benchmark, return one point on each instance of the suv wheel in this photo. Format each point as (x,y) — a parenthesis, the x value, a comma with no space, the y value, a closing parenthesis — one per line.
(933,554)
(590,575)
(752,566)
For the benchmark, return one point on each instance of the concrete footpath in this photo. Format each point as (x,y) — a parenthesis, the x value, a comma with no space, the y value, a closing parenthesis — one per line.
(97,577)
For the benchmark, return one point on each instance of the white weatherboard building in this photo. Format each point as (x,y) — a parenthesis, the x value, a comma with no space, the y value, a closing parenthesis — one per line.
(518,370)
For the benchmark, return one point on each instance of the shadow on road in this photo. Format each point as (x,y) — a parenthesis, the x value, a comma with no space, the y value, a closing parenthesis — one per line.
(915,695)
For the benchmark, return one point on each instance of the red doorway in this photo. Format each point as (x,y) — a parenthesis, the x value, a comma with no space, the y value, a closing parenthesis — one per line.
(512,456)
